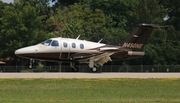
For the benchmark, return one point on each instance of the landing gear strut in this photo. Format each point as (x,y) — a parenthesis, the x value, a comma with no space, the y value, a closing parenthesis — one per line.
(72,65)
(30,64)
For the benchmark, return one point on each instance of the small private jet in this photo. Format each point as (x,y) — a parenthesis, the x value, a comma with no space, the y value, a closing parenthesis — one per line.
(93,53)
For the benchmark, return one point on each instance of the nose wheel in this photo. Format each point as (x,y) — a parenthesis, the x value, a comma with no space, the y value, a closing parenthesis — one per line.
(30,64)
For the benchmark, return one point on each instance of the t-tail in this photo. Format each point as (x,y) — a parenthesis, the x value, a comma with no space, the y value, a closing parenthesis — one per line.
(138,38)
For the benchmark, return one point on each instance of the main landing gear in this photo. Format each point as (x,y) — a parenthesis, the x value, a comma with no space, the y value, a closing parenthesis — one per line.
(94,68)
(74,68)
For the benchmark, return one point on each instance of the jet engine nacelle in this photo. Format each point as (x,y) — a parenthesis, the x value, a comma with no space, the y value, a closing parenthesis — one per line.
(136,53)
(108,49)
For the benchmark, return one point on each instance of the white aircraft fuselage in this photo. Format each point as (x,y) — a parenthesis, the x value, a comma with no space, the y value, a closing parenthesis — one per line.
(60,49)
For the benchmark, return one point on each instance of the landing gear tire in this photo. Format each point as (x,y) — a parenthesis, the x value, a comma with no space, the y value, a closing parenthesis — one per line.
(94,69)
(30,66)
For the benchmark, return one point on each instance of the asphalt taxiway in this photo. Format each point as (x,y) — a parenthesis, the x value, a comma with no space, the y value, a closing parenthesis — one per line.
(89,75)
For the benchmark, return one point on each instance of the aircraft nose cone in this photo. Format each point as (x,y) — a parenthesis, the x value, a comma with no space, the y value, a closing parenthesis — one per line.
(27,52)
(17,52)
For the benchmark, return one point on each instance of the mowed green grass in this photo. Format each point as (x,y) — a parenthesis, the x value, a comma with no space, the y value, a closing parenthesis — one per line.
(90,90)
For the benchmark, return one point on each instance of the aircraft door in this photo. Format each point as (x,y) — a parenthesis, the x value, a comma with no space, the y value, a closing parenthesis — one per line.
(65,47)
(55,49)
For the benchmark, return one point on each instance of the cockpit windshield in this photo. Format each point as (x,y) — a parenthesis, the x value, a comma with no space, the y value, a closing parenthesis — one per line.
(46,42)
(50,42)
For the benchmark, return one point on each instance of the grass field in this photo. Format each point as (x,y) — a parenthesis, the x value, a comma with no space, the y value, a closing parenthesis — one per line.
(90,90)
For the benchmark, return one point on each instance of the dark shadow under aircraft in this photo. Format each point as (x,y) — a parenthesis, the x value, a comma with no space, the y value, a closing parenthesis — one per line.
(92,53)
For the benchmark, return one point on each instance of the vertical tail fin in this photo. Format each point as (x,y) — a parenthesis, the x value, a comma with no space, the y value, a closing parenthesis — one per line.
(138,38)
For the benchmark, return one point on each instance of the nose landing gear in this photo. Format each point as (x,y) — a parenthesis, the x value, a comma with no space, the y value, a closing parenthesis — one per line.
(30,64)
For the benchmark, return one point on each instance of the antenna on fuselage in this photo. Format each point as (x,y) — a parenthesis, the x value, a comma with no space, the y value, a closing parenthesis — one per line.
(100,40)
(78,37)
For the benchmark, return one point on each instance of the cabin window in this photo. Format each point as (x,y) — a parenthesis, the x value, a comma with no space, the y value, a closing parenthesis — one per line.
(47,42)
(82,46)
(65,44)
(55,43)
(73,45)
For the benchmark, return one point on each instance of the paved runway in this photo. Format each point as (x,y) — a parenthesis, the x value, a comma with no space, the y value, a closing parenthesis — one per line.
(89,75)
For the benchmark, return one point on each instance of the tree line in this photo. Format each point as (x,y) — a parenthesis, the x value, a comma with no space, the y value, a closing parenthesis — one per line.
(28,22)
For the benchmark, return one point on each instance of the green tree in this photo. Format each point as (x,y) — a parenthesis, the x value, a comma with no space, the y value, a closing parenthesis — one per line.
(146,11)
(118,10)
(63,3)
(77,20)
(172,12)
(172,15)
(163,48)
(22,26)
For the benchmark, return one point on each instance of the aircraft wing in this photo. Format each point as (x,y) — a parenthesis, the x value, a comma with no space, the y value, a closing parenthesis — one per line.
(101,57)
(105,54)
